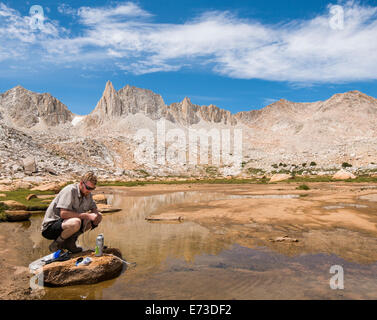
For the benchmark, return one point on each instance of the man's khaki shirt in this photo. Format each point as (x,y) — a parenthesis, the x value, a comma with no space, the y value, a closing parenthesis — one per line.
(69,198)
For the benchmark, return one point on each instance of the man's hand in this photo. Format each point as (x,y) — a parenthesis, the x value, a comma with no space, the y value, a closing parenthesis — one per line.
(89,216)
(98,218)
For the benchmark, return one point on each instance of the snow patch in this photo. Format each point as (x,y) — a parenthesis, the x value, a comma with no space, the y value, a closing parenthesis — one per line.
(76,120)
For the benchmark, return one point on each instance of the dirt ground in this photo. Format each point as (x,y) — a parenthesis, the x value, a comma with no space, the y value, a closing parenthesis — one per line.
(334,218)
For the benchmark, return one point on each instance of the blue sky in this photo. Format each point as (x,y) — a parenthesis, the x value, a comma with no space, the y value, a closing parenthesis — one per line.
(239,55)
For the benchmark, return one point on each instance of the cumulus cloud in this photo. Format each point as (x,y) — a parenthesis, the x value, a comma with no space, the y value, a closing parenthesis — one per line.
(301,51)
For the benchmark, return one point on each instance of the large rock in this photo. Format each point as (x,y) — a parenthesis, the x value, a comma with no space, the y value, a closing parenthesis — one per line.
(22,185)
(14,205)
(106,208)
(18,215)
(65,273)
(4,187)
(31,196)
(280,177)
(343,175)
(29,165)
(52,186)
(100,198)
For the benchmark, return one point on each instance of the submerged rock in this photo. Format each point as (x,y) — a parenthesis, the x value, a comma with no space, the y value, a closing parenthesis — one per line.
(66,273)
(162,217)
(284,239)
(106,208)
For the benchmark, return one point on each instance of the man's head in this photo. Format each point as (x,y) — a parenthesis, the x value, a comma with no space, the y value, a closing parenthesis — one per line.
(88,183)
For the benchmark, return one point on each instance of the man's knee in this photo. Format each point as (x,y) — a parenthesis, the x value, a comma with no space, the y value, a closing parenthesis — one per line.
(72,223)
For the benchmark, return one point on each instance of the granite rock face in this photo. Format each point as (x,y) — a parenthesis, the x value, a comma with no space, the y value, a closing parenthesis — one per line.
(131,100)
(26,109)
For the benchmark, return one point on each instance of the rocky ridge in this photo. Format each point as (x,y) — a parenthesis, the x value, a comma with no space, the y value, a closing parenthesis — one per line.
(26,109)
(284,136)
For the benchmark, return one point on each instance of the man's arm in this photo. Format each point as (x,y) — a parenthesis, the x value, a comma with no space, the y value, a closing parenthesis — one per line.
(95,210)
(67,214)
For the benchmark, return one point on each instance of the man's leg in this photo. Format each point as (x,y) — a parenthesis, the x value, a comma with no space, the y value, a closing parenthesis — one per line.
(68,227)
(85,225)
(72,229)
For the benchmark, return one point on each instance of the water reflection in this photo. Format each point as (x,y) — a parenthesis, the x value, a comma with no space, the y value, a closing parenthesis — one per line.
(147,244)
(186,260)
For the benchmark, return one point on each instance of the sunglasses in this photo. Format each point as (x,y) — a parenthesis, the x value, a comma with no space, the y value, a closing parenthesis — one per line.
(88,188)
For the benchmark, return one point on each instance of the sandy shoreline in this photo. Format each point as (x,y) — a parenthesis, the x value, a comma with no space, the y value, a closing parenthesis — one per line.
(333,218)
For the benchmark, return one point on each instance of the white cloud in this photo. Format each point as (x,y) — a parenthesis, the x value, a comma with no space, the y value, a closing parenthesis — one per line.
(306,51)
(92,16)
(66,9)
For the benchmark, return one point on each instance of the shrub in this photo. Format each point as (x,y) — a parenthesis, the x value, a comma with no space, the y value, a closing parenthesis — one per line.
(303,187)
(346,165)
(312,164)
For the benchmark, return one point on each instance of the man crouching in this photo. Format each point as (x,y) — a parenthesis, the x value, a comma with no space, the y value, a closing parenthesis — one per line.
(68,214)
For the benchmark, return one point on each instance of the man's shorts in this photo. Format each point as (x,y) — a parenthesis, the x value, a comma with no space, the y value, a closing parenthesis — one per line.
(54,230)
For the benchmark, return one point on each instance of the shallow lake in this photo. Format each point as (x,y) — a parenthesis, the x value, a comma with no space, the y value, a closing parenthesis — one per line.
(189,261)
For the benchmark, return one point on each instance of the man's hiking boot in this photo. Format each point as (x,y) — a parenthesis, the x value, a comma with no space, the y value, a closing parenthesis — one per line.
(70,244)
(56,244)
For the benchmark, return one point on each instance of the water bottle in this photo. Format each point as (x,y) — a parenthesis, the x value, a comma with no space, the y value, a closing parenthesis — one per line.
(99,245)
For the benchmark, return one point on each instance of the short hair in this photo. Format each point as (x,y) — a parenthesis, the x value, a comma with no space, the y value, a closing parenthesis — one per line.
(89,176)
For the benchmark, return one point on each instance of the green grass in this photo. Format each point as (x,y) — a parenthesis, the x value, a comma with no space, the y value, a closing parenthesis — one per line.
(255,171)
(20,195)
(188,181)
(314,179)
(362,179)
(3,207)
(294,179)
(303,187)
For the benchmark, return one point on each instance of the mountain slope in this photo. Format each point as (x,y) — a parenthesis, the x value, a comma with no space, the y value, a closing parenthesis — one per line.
(25,109)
